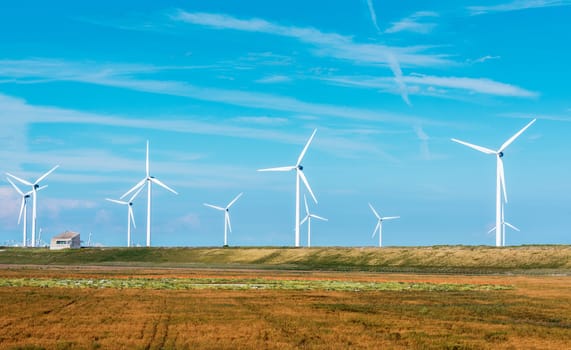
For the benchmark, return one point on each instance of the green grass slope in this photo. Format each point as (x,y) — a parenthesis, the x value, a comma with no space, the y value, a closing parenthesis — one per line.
(443,259)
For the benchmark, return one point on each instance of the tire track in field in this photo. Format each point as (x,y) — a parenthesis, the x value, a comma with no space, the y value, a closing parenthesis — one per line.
(159,332)
(17,328)
(274,322)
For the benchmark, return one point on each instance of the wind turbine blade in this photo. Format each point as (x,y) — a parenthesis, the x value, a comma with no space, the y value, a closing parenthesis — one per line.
(16,187)
(234,200)
(160,183)
(136,194)
(302,154)
(375,212)
(511,226)
(27,183)
(306,206)
(304,179)
(214,206)
(147,166)
(116,201)
(45,175)
(318,217)
(512,139)
(378,227)
(227,215)
(390,217)
(21,209)
(502,178)
(283,168)
(139,184)
(476,147)
(39,189)
(132,216)
(304,220)
(492,230)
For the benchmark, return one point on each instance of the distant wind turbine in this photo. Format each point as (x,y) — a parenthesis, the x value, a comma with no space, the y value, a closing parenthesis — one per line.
(299,175)
(149,180)
(379,226)
(23,210)
(504,224)
(500,176)
(130,215)
(226,210)
(308,217)
(35,188)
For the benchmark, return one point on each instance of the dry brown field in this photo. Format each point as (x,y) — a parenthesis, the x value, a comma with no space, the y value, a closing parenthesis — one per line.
(535,313)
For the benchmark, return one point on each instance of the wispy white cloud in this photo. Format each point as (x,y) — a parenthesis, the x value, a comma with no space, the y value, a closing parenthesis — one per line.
(540,116)
(435,84)
(373,15)
(415,23)
(97,166)
(326,44)
(274,79)
(120,77)
(516,6)
(486,58)
(262,120)
(423,138)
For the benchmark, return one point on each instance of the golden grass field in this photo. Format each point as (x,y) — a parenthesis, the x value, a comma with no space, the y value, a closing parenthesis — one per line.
(524,312)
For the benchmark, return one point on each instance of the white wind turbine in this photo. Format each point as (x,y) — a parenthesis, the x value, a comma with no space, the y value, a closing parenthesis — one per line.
(23,210)
(504,224)
(149,180)
(299,175)
(130,215)
(308,218)
(379,226)
(500,177)
(35,188)
(226,211)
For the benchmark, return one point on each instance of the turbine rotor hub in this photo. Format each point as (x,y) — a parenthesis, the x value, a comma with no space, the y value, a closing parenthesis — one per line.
(300,167)
(501,154)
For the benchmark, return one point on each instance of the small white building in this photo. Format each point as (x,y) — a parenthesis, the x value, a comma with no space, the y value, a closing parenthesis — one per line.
(65,240)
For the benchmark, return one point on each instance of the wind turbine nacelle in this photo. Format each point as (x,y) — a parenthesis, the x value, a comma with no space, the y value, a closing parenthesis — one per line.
(300,167)
(501,154)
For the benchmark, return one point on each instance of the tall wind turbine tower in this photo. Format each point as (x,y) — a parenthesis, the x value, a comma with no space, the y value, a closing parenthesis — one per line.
(130,214)
(379,226)
(500,176)
(35,188)
(23,211)
(308,217)
(226,211)
(299,175)
(149,181)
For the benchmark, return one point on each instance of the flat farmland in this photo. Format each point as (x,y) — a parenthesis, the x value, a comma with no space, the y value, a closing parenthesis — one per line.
(95,307)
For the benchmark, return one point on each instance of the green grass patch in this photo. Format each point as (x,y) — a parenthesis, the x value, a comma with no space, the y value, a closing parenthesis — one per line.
(242,283)
(554,259)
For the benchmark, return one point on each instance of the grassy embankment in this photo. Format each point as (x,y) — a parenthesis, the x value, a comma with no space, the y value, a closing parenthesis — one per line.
(439,259)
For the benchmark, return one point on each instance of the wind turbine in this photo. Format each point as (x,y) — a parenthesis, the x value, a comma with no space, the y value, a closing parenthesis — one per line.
(23,210)
(35,188)
(308,218)
(299,175)
(379,226)
(504,224)
(226,211)
(500,176)
(149,180)
(130,215)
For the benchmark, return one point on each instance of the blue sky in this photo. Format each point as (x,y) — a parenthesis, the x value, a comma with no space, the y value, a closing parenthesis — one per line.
(222,88)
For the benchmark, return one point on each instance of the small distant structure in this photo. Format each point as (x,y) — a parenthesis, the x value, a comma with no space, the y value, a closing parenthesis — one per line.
(65,240)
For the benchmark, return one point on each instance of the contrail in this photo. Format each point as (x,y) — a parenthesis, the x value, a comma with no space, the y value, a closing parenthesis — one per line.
(391,59)
(397,72)
(373,15)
